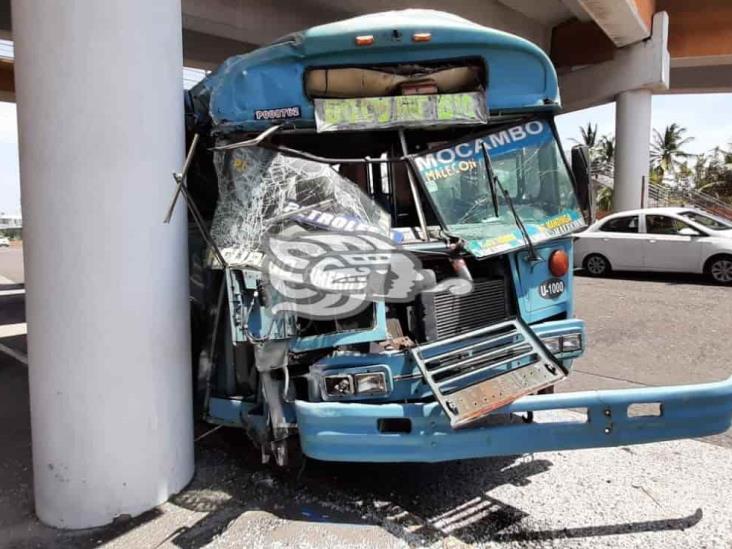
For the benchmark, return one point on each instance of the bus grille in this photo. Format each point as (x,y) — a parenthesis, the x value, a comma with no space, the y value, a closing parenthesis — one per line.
(456,314)
(475,373)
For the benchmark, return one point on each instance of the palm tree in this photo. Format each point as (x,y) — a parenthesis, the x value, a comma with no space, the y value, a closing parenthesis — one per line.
(713,172)
(604,155)
(666,150)
(605,199)
(589,136)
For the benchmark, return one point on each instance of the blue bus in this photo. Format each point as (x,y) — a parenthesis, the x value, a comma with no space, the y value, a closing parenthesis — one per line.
(381,268)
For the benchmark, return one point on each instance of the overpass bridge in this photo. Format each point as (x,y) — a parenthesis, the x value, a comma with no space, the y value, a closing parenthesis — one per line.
(99,105)
(604,50)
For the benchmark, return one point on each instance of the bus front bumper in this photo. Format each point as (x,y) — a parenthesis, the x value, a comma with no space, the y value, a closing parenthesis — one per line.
(334,431)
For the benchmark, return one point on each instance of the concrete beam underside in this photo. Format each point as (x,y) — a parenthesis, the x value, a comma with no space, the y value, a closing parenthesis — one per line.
(645,65)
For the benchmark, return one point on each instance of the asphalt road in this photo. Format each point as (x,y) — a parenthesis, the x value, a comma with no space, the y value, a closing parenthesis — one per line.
(644,331)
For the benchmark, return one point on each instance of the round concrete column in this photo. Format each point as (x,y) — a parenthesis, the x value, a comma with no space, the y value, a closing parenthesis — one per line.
(632,143)
(99,91)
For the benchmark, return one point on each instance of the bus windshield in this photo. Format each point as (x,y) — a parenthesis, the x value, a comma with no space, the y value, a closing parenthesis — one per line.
(528,164)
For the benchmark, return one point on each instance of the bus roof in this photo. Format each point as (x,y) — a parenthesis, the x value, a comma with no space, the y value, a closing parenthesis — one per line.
(520,75)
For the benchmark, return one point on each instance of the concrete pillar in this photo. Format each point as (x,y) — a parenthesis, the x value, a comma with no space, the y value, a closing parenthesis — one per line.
(632,144)
(99,91)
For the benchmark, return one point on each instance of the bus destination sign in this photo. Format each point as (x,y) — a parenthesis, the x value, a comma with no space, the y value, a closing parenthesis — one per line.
(403,111)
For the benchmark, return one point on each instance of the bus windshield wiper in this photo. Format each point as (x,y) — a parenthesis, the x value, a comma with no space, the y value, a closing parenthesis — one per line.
(494,183)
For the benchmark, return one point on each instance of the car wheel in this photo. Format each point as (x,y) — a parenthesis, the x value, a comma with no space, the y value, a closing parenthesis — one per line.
(720,269)
(596,265)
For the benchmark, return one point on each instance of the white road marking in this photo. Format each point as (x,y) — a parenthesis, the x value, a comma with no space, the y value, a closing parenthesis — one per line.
(20,357)
(11,330)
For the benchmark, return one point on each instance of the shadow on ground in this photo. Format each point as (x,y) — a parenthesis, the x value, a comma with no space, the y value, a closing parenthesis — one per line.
(421,504)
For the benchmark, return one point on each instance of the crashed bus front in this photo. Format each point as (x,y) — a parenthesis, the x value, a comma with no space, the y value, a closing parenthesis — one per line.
(383,268)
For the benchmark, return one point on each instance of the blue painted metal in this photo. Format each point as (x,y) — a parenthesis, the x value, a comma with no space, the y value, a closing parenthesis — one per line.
(323,341)
(227,411)
(235,412)
(520,75)
(401,364)
(349,432)
(520,78)
(527,278)
(262,324)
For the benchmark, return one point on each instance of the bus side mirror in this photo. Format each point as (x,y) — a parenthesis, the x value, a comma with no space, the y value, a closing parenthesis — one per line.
(583,181)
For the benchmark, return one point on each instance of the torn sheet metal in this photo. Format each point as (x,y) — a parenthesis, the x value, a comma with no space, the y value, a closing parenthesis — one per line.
(364,82)
(261,190)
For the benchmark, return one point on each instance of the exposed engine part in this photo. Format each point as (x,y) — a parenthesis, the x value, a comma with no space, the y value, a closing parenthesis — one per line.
(270,356)
(442,314)
(245,372)
(286,453)
(394,328)
(461,269)
(397,344)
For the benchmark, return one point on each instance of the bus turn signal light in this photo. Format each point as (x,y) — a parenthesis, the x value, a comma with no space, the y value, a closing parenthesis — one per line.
(421,37)
(559,263)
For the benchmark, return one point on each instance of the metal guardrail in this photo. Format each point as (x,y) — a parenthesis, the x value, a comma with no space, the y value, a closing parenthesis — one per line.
(663,196)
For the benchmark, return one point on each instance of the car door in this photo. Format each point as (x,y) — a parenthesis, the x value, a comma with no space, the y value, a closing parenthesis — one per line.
(619,240)
(665,249)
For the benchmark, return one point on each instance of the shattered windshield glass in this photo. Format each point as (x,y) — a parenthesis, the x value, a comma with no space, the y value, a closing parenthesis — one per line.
(260,189)
(528,163)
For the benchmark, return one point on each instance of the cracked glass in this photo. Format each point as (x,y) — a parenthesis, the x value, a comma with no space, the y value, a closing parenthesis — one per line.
(261,190)
(528,163)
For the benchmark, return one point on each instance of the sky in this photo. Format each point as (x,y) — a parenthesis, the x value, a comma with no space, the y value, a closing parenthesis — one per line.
(707,117)
(9,176)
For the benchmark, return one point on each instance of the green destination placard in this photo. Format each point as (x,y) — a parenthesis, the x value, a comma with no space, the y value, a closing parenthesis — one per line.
(400,111)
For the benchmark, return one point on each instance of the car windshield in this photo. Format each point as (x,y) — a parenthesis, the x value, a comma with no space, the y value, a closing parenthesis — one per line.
(709,222)
(528,164)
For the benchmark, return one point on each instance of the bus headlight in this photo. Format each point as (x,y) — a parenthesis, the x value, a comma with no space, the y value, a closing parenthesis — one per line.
(554,344)
(355,383)
(371,383)
(338,386)
(571,343)
(568,343)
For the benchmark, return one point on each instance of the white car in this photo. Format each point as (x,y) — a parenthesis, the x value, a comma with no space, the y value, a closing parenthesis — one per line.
(4,242)
(657,239)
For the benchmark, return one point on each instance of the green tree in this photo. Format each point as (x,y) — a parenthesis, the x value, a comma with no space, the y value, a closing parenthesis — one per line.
(667,154)
(588,135)
(604,155)
(605,199)
(713,173)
